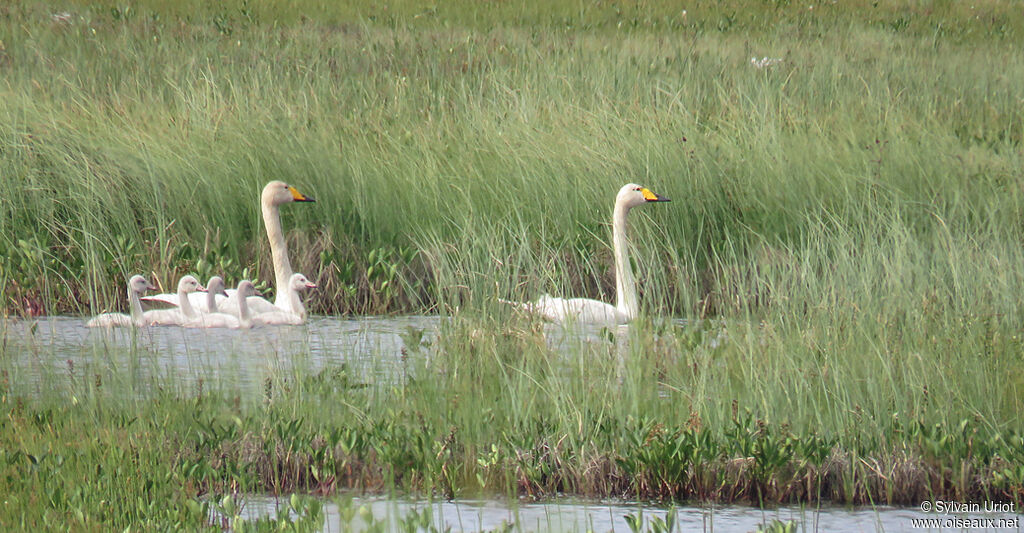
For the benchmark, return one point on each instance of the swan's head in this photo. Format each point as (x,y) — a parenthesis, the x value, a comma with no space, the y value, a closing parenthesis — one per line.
(139,285)
(247,289)
(298,282)
(632,195)
(190,284)
(216,286)
(279,192)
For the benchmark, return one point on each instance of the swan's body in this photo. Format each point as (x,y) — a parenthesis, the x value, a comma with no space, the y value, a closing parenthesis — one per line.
(257,305)
(137,286)
(296,284)
(223,320)
(183,313)
(581,310)
(585,310)
(278,318)
(214,320)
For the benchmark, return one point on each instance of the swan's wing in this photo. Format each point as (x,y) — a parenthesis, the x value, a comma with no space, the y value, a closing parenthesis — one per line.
(109,320)
(213,320)
(163,317)
(259,305)
(596,312)
(159,301)
(278,318)
(170,301)
(256,304)
(545,307)
(579,310)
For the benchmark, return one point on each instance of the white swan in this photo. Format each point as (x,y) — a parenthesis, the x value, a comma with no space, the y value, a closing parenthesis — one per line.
(245,291)
(585,310)
(214,287)
(183,313)
(274,195)
(296,284)
(137,286)
(223,320)
(202,304)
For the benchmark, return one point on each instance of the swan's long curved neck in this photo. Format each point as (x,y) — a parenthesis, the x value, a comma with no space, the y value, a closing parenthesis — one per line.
(244,316)
(625,283)
(279,252)
(135,307)
(211,302)
(186,307)
(295,303)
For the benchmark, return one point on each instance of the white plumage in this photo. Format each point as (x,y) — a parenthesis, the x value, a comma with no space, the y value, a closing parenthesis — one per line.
(585,310)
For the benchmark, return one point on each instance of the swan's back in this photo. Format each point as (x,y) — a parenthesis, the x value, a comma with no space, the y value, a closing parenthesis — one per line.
(579,310)
(163,317)
(161,302)
(110,320)
(214,320)
(257,305)
(278,318)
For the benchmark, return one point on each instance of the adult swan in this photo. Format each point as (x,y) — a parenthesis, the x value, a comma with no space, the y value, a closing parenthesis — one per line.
(585,310)
(274,195)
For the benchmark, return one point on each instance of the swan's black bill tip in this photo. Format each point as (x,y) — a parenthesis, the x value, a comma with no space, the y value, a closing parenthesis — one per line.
(298,196)
(650,196)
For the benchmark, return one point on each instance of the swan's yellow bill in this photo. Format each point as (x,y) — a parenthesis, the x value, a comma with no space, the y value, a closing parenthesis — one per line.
(298,196)
(651,197)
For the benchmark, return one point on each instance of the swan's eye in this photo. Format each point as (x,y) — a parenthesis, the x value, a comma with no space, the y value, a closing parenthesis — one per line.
(638,189)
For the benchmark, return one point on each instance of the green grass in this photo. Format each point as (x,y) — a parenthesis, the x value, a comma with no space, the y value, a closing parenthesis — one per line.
(140,141)
(485,410)
(852,215)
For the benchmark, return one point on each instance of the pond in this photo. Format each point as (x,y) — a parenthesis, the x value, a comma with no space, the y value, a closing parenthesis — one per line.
(580,515)
(372,348)
(368,346)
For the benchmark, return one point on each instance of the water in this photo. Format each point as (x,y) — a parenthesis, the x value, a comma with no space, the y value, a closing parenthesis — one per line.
(369,346)
(577,515)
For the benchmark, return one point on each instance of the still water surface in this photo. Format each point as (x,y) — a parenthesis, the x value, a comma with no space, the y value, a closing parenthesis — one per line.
(579,515)
(369,346)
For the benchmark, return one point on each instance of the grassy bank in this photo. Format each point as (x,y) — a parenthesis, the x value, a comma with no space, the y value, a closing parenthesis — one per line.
(658,414)
(851,216)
